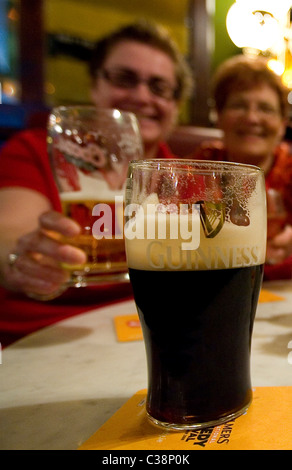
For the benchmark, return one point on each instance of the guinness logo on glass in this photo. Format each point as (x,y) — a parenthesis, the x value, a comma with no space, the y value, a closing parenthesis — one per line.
(212,217)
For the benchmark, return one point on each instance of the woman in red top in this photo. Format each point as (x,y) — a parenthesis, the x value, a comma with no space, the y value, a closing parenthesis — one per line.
(136,69)
(251,105)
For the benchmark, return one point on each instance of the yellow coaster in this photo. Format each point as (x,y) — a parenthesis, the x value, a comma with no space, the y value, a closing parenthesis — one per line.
(267,296)
(266,425)
(128,327)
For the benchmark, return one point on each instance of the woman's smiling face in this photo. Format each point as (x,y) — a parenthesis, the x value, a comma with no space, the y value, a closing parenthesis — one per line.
(252,123)
(156,114)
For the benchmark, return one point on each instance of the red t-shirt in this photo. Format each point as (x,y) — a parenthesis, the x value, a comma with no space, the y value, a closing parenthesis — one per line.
(24,162)
(279,177)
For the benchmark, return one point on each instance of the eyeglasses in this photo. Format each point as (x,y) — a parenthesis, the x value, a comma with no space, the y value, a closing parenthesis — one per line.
(262,109)
(128,79)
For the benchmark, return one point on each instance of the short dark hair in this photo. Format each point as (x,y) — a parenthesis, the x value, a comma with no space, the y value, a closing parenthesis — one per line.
(153,35)
(243,73)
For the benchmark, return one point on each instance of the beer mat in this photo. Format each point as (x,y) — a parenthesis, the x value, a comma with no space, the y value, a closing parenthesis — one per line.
(267,425)
(267,296)
(128,327)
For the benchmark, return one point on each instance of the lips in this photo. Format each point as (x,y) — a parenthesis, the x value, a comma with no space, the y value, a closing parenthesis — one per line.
(147,119)
(251,133)
(143,115)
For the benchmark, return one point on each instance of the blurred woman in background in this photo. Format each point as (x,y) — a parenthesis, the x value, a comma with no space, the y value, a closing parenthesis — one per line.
(251,106)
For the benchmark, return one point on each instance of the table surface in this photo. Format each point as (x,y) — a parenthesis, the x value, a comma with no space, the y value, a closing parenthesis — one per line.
(60,384)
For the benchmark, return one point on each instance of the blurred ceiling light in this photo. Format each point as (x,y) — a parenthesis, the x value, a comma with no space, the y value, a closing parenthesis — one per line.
(252,28)
(258,24)
(277,8)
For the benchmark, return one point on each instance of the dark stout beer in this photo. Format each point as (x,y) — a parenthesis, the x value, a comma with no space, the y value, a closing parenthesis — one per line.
(197,332)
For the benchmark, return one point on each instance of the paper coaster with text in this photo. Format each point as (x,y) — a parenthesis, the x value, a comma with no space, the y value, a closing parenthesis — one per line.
(267,424)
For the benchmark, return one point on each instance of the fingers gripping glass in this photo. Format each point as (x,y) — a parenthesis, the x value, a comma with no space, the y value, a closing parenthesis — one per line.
(128,79)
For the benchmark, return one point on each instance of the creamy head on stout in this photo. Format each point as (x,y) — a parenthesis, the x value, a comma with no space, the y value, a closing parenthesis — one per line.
(233,247)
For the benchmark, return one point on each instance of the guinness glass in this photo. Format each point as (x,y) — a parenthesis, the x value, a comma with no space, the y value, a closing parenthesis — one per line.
(195,237)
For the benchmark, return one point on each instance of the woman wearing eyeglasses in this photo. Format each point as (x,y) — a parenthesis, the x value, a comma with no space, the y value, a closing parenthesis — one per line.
(136,69)
(140,70)
(251,105)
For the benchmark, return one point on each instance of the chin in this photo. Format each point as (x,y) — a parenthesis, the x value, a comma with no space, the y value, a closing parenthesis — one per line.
(150,138)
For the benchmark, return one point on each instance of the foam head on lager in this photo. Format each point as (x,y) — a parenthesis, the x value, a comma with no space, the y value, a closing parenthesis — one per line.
(195,237)
(90,150)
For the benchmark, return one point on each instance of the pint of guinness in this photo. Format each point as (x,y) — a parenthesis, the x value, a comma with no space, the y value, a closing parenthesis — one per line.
(195,236)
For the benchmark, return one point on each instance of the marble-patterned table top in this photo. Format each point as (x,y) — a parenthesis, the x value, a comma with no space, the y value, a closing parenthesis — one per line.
(59,385)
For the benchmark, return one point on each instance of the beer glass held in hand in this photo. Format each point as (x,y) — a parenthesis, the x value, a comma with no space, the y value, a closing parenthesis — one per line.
(90,150)
(195,237)
(277,215)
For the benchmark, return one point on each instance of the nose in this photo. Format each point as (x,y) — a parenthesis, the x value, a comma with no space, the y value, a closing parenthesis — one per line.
(252,113)
(142,92)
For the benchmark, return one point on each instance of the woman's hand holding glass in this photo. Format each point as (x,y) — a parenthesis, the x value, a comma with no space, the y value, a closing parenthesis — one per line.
(279,246)
(35,267)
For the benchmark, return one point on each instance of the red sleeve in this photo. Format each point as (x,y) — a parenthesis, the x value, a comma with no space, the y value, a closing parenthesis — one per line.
(164,151)
(24,162)
(280,177)
(278,271)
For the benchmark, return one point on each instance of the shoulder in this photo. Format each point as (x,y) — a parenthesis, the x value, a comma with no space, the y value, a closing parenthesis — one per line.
(27,143)
(31,136)
(164,151)
(283,160)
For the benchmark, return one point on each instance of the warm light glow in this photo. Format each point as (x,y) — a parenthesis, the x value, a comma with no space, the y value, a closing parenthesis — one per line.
(116,114)
(287,78)
(13,14)
(278,8)
(276,66)
(49,88)
(264,26)
(9,88)
(252,28)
